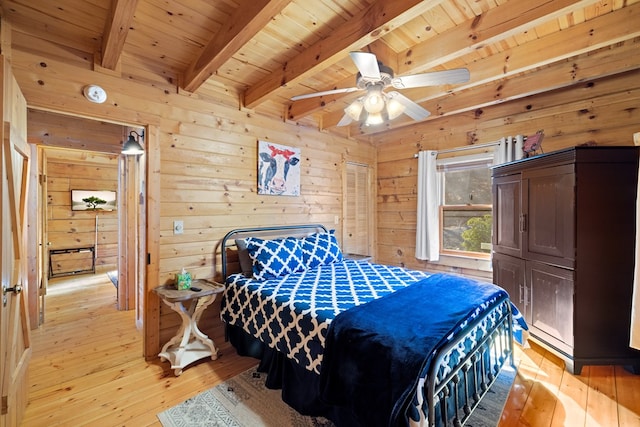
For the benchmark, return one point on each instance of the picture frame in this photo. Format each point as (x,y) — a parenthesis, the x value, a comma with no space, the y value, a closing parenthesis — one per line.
(278,169)
(93,200)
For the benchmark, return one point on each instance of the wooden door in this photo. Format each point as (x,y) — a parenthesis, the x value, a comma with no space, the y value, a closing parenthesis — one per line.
(358,217)
(43,236)
(131,247)
(15,345)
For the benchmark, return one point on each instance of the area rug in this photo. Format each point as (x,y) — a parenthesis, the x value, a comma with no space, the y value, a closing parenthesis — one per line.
(113,276)
(489,410)
(244,401)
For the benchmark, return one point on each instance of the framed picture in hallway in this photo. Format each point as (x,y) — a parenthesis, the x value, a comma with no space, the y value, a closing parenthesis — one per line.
(92,200)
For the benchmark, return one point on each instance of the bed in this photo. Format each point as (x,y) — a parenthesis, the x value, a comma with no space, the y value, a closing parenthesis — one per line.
(357,342)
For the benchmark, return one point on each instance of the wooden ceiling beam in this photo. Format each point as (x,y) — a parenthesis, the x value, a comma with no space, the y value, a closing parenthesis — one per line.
(605,30)
(115,31)
(587,67)
(492,26)
(370,24)
(248,19)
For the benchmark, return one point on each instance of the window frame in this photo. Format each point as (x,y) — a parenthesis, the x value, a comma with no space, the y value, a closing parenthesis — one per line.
(453,252)
(460,163)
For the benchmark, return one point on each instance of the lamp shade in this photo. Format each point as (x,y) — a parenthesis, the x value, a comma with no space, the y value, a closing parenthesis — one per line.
(374,119)
(132,147)
(374,101)
(377,107)
(394,108)
(354,109)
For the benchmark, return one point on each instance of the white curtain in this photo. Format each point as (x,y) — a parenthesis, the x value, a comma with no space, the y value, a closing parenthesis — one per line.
(508,149)
(428,232)
(428,228)
(635,306)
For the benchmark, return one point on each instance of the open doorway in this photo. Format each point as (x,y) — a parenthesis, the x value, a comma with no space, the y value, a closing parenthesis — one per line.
(78,156)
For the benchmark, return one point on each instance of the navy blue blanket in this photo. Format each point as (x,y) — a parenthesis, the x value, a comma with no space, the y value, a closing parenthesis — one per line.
(375,352)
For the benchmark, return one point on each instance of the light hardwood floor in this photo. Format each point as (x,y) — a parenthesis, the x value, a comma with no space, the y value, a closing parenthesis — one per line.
(87,369)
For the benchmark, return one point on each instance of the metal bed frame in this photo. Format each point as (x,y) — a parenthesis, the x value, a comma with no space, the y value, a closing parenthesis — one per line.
(463,387)
(452,398)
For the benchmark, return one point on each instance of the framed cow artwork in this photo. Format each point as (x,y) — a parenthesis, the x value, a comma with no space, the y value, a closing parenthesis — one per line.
(278,169)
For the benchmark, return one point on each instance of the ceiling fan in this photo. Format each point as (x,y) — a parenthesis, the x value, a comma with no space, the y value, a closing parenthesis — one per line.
(376,106)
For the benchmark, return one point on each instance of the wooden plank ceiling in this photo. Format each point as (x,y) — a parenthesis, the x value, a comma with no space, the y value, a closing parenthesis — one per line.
(257,54)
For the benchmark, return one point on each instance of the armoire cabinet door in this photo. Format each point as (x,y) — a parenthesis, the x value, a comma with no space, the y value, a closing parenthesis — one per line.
(549,206)
(507,214)
(508,273)
(551,304)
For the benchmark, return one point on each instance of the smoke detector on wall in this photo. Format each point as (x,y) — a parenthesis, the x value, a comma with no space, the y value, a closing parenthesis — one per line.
(95,93)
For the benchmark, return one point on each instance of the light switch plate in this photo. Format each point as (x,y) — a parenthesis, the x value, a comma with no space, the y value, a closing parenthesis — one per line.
(178,227)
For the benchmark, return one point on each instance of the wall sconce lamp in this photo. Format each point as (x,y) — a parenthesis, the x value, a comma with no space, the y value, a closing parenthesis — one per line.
(132,147)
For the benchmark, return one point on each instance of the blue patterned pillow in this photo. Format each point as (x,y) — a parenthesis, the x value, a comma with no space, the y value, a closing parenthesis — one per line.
(274,258)
(320,249)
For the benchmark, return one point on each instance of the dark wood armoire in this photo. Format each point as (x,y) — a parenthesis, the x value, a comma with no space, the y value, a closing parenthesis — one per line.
(564,249)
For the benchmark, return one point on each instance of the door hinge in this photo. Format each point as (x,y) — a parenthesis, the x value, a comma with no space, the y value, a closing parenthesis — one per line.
(148,258)
(5,405)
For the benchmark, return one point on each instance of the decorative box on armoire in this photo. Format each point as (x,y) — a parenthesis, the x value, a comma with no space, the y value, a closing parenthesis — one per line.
(564,250)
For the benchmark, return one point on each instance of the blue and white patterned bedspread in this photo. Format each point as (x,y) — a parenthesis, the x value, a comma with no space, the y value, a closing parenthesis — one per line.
(292,313)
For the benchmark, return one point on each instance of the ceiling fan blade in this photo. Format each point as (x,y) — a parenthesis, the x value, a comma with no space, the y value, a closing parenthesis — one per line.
(457,75)
(326,92)
(367,64)
(413,110)
(345,120)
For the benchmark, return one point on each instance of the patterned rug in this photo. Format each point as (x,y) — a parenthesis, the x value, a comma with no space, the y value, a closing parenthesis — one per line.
(244,401)
(489,410)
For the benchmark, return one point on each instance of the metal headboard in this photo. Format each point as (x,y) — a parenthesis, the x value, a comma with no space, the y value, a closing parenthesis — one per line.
(264,232)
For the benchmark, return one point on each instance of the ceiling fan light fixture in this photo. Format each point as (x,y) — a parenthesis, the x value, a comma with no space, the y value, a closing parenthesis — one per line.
(355,109)
(374,101)
(374,119)
(377,106)
(394,108)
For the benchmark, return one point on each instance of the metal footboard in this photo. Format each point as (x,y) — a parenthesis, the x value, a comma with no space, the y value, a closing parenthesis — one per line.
(453,392)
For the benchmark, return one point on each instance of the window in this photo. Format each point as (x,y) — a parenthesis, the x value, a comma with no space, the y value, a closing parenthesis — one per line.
(465,208)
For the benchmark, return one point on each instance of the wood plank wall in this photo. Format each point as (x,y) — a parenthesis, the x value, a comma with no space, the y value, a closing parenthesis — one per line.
(209,180)
(599,112)
(73,169)
(208,153)
(208,161)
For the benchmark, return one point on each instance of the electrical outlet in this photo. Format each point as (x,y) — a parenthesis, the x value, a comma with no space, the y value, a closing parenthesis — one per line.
(178,227)
(336,220)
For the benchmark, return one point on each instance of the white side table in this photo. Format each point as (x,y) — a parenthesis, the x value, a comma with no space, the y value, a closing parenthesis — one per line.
(189,344)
